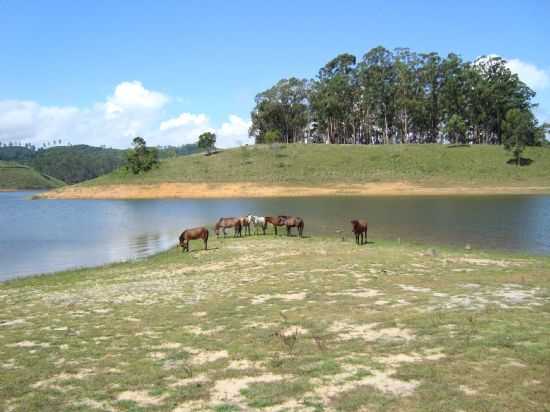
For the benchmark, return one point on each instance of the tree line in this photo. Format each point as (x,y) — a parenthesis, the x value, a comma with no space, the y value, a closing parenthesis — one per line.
(398,96)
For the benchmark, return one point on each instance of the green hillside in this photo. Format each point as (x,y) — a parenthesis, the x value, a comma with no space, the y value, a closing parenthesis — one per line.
(332,164)
(14,176)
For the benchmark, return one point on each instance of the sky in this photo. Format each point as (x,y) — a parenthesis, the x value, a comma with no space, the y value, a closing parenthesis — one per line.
(102,72)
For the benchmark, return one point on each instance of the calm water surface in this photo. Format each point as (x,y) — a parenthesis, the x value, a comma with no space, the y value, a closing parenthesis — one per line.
(51,235)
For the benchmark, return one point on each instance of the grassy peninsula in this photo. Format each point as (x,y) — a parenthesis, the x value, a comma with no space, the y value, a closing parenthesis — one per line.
(14,176)
(264,170)
(282,324)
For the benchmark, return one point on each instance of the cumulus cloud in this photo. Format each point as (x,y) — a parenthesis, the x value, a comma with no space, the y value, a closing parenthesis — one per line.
(130,111)
(530,74)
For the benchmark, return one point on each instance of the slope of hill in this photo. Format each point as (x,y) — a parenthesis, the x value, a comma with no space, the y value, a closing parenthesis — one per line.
(14,176)
(328,169)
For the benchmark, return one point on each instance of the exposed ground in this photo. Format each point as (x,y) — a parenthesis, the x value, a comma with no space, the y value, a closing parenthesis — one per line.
(282,324)
(294,170)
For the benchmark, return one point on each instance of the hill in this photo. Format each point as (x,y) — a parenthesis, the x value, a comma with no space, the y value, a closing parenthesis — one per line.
(263,170)
(74,164)
(14,176)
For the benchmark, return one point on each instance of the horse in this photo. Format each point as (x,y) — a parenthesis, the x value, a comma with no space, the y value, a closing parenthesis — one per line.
(296,222)
(359,227)
(190,234)
(258,221)
(245,223)
(276,221)
(225,222)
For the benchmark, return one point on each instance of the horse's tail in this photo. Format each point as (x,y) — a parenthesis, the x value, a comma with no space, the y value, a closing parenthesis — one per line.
(206,235)
(301,226)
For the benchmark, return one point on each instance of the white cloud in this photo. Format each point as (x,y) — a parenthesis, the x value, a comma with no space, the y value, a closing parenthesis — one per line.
(234,132)
(131,96)
(530,74)
(130,111)
(185,119)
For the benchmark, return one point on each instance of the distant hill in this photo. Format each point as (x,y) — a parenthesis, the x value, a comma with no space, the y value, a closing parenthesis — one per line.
(15,176)
(74,164)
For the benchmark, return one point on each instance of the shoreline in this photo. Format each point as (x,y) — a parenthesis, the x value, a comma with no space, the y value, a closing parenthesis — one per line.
(257,190)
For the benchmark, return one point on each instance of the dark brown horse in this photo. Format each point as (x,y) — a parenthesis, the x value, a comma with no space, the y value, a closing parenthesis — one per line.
(296,222)
(190,234)
(226,222)
(276,221)
(359,227)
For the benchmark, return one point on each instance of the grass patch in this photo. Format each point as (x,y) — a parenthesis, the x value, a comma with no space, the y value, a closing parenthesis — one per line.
(431,165)
(302,324)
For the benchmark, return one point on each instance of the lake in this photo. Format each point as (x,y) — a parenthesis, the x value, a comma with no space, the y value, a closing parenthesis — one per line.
(51,235)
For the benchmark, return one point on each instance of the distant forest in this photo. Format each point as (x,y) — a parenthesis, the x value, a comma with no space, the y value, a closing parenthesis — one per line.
(397,96)
(76,163)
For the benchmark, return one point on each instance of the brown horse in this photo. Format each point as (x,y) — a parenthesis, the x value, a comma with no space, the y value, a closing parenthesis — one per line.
(226,222)
(276,221)
(245,224)
(296,222)
(359,227)
(190,234)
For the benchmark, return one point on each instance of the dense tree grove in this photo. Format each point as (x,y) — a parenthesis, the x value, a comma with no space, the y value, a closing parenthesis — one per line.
(397,97)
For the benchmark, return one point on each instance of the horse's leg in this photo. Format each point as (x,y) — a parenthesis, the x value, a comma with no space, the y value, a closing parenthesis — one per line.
(366,242)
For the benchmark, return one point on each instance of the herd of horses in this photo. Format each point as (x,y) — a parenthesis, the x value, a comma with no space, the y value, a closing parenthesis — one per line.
(244,223)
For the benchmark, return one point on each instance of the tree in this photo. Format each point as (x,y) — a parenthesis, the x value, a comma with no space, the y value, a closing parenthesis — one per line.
(141,158)
(272,136)
(455,129)
(283,107)
(516,128)
(207,141)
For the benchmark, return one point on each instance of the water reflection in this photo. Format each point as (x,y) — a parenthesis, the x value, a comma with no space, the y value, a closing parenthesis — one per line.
(45,236)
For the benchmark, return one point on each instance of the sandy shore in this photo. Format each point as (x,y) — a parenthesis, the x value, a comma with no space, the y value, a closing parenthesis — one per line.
(251,190)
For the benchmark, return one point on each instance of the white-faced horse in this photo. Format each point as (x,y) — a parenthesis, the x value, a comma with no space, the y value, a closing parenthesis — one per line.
(258,222)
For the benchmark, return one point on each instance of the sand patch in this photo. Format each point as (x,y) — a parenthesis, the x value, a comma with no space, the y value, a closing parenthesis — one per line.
(367,332)
(467,390)
(243,364)
(28,344)
(293,331)
(50,382)
(195,330)
(229,390)
(410,288)
(142,398)
(358,293)
(188,381)
(208,356)
(259,299)
(12,322)
(168,345)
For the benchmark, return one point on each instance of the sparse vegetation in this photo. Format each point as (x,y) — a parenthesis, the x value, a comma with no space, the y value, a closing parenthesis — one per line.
(428,165)
(282,323)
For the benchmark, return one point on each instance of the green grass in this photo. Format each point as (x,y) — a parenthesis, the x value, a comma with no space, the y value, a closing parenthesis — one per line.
(435,165)
(14,176)
(285,324)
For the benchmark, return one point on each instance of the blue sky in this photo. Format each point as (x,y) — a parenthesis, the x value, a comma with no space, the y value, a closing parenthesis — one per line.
(99,71)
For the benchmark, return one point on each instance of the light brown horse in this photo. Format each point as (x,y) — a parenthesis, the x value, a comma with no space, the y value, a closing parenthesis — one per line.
(276,221)
(245,224)
(359,227)
(296,222)
(190,234)
(226,222)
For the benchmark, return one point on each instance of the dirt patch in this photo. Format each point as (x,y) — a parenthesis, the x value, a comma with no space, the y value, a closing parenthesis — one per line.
(209,356)
(142,398)
(286,296)
(229,390)
(256,190)
(367,332)
(358,293)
